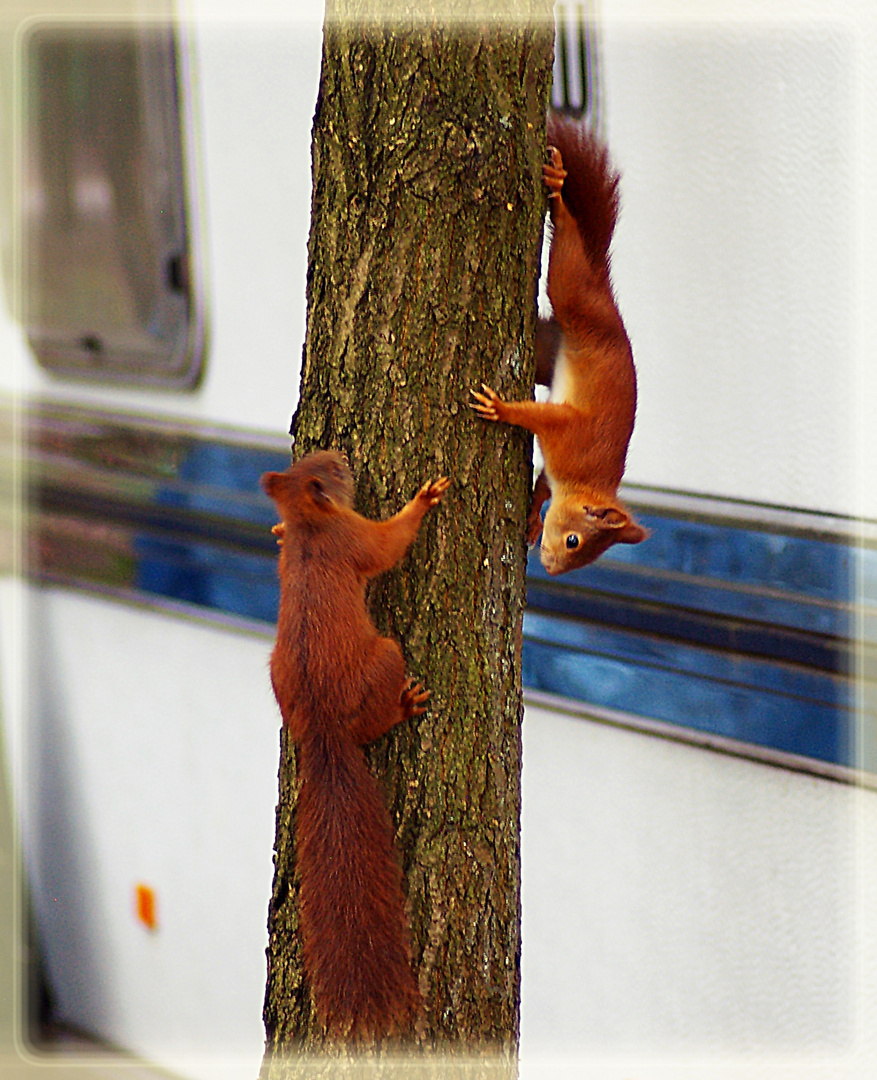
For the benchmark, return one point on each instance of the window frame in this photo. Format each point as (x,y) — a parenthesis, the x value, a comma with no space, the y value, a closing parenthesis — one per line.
(177,361)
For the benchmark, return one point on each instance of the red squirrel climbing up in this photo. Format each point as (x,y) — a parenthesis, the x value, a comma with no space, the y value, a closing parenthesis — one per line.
(585,356)
(339,685)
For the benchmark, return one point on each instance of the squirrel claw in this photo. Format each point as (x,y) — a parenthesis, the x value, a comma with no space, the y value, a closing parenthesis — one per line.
(413,698)
(486,404)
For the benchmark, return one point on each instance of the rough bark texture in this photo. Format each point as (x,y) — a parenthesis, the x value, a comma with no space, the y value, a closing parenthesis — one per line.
(426,226)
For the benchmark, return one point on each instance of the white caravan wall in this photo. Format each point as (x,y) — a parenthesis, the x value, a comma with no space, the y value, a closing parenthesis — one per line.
(745,252)
(160,770)
(744,261)
(678,904)
(694,910)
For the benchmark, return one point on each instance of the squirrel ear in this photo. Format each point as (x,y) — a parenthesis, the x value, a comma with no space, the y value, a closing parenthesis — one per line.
(613,518)
(632,533)
(629,532)
(319,493)
(268,481)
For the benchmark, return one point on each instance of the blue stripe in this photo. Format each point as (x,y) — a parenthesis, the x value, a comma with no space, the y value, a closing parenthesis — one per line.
(661,654)
(222,481)
(829,653)
(763,717)
(739,630)
(741,556)
(232,582)
(765,604)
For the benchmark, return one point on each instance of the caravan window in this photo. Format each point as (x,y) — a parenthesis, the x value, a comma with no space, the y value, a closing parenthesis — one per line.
(109,290)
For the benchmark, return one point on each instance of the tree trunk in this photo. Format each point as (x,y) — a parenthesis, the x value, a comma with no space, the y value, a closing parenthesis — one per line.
(426,231)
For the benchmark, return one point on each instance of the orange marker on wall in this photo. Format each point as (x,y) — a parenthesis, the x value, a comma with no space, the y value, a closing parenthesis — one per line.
(147,911)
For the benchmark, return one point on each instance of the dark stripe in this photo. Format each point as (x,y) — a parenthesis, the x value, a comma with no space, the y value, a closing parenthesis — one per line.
(828,652)
(166,516)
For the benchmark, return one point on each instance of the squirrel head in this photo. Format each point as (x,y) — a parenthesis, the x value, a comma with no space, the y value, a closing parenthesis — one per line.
(575,534)
(318,484)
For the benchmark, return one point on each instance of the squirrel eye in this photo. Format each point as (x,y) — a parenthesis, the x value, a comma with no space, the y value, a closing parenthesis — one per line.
(572,541)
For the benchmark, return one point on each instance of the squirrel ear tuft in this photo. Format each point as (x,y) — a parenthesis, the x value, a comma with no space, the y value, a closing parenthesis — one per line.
(633,534)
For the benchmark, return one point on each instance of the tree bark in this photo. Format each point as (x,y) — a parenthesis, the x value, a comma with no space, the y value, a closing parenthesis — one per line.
(426,230)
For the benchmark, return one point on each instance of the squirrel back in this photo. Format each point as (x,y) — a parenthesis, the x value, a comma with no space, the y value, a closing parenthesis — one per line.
(340,685)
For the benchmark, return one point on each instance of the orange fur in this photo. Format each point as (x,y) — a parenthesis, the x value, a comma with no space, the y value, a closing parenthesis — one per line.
(585,354)
(339,685)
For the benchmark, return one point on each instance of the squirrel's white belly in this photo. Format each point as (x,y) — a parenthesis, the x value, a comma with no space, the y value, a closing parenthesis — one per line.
(560,379)
(557,393)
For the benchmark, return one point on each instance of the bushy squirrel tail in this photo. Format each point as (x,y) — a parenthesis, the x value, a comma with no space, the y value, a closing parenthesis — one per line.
(355,936)
(590,190)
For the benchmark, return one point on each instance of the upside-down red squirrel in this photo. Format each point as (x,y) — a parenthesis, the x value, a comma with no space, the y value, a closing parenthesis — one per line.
(339,685)
(585,427)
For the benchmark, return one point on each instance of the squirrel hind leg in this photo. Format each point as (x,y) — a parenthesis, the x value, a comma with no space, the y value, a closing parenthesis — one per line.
(383,688)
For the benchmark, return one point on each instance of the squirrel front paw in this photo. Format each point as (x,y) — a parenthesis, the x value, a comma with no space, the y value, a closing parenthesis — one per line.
(433,490)
(488,405)
(279,530)
(413,698)
(554,173)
